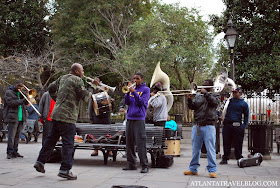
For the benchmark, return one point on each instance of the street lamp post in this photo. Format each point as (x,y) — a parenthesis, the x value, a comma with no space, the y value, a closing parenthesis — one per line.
(231,38)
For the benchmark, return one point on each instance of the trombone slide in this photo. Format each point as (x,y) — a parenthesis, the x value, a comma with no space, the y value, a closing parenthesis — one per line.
(29,102)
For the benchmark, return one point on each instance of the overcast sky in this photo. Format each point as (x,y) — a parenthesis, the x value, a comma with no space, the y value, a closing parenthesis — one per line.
(206,7)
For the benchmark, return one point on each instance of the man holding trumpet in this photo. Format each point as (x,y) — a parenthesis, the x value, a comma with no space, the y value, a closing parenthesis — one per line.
(137,101)
(70,90)
(14,115)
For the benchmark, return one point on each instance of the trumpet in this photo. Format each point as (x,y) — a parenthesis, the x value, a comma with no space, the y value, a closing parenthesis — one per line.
(101,86)
(31,93)
(125,89)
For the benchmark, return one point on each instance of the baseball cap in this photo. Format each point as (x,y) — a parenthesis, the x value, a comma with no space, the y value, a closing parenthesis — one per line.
(237,90)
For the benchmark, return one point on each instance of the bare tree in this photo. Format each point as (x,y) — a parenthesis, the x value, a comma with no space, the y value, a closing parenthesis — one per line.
(114,43)
(31,68)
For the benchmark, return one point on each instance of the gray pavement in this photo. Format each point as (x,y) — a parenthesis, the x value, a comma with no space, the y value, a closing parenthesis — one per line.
(92,172)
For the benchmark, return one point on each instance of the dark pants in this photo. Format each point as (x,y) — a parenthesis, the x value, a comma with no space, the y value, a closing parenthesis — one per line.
(232,136)
(136,134)
(67,132)
(14,131)
(161,124)
(102,119)
(47,126)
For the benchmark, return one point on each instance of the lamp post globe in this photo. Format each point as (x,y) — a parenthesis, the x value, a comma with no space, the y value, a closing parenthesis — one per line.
(231,39)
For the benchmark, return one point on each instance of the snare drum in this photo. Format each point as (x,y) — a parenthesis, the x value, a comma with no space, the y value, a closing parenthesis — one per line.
(101,103)
(173,147)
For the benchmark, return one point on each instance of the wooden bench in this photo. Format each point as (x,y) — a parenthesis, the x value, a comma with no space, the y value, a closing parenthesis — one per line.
(28,130)
(154,140)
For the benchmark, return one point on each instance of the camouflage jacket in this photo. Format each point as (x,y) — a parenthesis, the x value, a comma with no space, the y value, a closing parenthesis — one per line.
(70,90)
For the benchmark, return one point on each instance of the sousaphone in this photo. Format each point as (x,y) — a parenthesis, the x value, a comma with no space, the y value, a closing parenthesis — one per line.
(160,76)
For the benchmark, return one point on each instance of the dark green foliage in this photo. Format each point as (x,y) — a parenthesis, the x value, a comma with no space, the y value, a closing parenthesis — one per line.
(178,38)
(22,26)
(257,57)
(97,30)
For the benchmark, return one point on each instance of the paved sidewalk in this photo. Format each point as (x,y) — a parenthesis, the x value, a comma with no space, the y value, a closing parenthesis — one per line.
(93,173)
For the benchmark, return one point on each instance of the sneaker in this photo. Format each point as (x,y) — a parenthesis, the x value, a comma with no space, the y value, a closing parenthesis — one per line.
(212,175)
(144,170)
(190,173)
(39,167)
(223,162)
(94,153)
(110,154)
(17,155)
(10,156)
(68,176)
(130,167)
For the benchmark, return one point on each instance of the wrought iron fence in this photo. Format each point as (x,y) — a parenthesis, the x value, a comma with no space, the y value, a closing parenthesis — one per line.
(263,105)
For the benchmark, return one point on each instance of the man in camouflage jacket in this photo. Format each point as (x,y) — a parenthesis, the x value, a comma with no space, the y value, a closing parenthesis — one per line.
(70,90)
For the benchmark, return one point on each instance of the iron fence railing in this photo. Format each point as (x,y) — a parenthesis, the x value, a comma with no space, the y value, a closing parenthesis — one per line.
(264,106)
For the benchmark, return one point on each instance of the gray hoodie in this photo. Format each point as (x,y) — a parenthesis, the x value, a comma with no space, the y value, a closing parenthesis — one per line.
(159,104)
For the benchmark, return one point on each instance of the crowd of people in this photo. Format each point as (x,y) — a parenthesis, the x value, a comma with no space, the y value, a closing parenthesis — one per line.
(58,109)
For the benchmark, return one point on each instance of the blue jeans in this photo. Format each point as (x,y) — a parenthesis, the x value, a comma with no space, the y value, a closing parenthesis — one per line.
(208,135)
(67,132)
(14,131)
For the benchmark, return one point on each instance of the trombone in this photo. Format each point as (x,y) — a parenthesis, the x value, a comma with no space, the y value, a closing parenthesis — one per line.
(125,89)
(101,86)
(31,93)
(193,89)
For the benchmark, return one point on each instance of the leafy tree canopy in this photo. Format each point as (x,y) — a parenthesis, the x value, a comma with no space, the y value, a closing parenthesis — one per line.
(22,26)
(97,30)
(257,57)
(175,36)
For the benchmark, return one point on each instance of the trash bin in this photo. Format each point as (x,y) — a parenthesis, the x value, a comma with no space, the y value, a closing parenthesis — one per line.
(260,137)
(178,118)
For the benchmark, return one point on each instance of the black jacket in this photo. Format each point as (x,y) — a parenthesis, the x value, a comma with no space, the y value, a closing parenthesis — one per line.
(11,104)
(204,106)
(1,118)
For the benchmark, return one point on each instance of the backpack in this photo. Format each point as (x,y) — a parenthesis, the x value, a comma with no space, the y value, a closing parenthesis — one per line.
(54,156)
(164,161)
